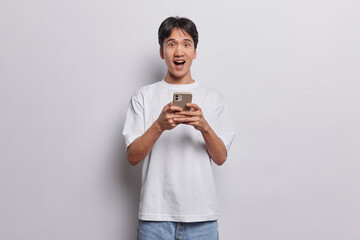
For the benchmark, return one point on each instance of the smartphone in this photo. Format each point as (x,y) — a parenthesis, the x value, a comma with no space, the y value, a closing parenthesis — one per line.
(180,99)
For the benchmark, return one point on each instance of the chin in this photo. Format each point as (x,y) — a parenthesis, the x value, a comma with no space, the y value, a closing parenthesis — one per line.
(178,74)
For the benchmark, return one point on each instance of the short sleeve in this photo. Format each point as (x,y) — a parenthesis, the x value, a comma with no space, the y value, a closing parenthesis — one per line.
(134,125)
(223,126)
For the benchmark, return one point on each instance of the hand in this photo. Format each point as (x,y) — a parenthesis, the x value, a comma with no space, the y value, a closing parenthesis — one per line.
(167,115)
(194,118)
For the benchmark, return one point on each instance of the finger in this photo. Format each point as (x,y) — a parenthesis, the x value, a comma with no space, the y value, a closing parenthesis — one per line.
(172,120)
(167,106)
(194,106)
(170,116)
(174,125)
(186,120)
(194,124)
(174,109)
(188,113)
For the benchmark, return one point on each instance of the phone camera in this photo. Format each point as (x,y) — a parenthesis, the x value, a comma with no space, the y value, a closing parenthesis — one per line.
(178,98)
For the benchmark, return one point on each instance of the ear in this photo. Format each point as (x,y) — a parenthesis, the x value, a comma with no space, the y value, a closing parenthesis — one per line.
(195,54)
(161,53)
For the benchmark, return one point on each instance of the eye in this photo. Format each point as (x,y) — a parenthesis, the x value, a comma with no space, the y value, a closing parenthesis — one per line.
(187,45)
(171,44)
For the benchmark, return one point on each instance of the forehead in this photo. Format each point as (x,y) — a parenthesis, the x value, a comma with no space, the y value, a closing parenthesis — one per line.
(179,34)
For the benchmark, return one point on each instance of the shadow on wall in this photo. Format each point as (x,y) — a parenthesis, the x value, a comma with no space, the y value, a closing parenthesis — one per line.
(129,176)
(126,182)
(155,71)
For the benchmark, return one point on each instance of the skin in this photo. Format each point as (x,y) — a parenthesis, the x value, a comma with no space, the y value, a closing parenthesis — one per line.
(178,46)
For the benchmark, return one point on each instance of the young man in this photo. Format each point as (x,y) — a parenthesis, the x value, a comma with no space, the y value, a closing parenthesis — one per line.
(178,198)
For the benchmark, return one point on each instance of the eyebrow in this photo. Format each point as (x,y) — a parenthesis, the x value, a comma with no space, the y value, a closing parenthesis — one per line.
(173,39)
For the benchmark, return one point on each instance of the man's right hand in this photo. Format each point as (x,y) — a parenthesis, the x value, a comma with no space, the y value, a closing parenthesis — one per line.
(167,115)
(141,146)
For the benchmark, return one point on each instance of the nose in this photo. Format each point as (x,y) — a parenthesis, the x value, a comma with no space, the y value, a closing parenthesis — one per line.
(179,51)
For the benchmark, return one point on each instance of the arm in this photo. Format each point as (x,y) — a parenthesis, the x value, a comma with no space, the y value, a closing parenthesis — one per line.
(141,146)
(214,144)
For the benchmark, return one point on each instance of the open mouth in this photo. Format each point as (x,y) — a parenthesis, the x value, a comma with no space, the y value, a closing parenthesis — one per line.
(179,63)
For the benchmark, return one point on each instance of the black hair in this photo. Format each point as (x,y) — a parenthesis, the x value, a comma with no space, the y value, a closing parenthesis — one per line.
(170,23)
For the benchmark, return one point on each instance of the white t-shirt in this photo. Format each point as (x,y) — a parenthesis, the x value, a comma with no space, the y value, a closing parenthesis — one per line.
(177,177)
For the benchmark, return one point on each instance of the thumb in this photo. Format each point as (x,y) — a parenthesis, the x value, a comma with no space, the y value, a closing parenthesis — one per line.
(167,106)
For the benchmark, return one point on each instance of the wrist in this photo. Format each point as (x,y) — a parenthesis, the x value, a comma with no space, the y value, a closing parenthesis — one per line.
(206,129)
(157,127)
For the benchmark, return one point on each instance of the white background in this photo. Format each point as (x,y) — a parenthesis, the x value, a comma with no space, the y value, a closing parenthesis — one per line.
(290,70)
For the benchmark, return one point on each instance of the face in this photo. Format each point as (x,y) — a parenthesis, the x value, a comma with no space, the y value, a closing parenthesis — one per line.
(178,53)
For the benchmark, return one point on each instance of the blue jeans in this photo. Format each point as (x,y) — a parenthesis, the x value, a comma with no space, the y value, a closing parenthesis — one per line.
(149,230)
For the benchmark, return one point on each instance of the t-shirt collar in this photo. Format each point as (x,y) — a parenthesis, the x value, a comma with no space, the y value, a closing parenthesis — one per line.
(181,87)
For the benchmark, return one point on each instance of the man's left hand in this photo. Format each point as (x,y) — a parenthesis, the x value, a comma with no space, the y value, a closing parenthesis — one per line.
(194,118)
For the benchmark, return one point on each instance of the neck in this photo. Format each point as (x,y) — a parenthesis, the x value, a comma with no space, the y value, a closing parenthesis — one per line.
(172,79)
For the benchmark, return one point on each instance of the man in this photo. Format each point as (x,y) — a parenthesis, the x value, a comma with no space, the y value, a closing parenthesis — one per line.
(178,198)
